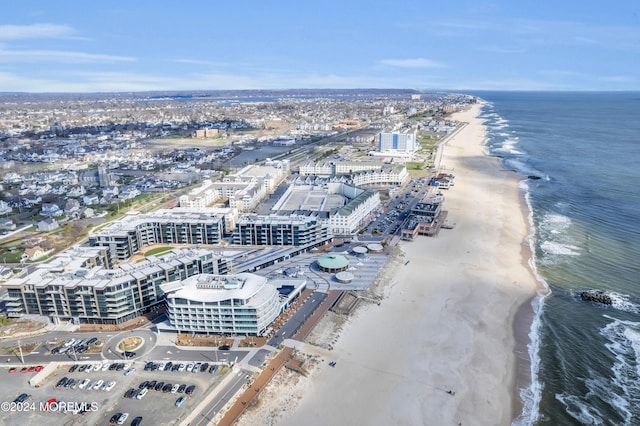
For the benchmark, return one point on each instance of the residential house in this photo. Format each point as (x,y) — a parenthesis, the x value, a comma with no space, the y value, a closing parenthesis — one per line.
(48,224)
(33,253)
(51,210)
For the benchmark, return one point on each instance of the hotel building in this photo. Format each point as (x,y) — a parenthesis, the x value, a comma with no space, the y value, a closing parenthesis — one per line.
(400,142)
(243,303)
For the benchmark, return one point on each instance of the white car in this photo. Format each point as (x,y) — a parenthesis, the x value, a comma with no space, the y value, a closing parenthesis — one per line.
(189,367)
(83,384)
(129,371)
(142,393)
(128,365)
(105,367)
(175,388)
(98,384)
(123,418)
(110,386)
(97,367)
(181,368)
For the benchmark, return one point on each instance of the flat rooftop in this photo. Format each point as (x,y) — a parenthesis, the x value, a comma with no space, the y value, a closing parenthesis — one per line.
(314,199)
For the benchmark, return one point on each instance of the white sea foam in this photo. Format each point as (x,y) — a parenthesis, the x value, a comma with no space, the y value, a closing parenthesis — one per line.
(622,302)
(584,413)
(556,248)
(556,240)
(624,345)
(532,395)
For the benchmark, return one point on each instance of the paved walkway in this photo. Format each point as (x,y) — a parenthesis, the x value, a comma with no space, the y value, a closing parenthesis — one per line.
(245,400)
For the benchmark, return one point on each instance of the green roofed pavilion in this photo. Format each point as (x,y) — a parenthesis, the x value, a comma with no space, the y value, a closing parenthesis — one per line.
(332,263)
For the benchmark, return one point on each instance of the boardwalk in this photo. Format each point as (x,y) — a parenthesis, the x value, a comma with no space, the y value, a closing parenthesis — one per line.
(249,395)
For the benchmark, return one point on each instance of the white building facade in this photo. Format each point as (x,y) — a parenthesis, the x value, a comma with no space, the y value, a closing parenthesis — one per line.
(243,303)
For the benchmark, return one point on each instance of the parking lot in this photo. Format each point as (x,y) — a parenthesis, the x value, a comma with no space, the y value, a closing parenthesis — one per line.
(156,407)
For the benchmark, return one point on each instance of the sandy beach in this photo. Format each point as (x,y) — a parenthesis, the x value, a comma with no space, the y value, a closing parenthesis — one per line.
(446,321)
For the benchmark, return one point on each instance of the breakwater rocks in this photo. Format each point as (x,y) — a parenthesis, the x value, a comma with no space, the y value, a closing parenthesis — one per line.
(596,296)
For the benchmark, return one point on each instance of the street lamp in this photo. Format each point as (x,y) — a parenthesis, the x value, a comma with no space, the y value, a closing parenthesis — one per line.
(20,349)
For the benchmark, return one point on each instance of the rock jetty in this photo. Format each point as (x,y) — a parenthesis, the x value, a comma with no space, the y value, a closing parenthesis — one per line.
(596,296)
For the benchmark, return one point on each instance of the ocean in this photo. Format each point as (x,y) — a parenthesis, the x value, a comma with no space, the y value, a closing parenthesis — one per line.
(585,219)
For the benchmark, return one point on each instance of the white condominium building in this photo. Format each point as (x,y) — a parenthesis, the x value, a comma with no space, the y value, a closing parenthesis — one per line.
(243,303)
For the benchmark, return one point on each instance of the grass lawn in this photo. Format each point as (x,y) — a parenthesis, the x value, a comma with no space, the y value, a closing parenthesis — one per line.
(158,250)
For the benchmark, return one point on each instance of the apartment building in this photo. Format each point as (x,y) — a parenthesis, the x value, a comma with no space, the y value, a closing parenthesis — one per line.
(78,285)
(131,233)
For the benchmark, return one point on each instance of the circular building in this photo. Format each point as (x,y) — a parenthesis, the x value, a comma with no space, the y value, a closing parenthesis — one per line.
(360,250)
(374,247)
(344,277)
(332,263)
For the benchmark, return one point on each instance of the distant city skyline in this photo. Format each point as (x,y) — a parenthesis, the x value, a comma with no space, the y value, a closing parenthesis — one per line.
(73,46)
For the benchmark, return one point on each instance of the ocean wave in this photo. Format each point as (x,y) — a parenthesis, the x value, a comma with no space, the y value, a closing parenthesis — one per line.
(520,167)
(555,238)
(624,345)
(581,411)
(532,395)
(556,248)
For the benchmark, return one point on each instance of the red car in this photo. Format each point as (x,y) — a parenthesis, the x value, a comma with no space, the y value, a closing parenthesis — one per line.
(39,368)
(24,370)
(13,370)
(32,369)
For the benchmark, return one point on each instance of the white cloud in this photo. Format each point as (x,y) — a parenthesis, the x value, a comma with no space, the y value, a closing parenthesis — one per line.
(15,32)
(412,63)
(59,56)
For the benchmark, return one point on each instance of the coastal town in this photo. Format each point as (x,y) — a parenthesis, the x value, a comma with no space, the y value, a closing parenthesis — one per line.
(146,238)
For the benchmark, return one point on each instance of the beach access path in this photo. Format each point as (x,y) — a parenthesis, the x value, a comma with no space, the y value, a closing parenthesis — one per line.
(446,320)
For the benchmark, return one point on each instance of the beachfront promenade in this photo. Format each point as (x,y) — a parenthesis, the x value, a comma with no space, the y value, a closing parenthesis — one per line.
(275,364)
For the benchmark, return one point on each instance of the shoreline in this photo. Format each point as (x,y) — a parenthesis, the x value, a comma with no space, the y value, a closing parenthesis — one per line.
(454,318)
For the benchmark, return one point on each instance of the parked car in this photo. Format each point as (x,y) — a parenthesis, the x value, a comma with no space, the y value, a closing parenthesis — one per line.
(129,371)
(123,418)
(114,419)
(136,421)
(189,391)
(180,400)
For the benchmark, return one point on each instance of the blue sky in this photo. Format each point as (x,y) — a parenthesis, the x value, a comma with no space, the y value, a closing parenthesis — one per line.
(84,46)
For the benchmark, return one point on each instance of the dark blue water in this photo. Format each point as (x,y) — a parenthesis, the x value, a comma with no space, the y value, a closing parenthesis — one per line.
(586,221)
